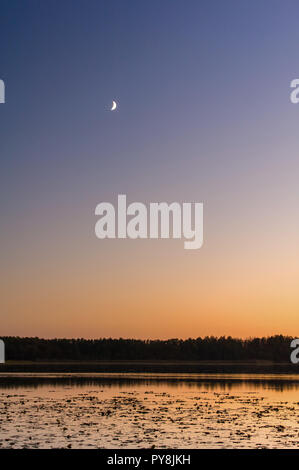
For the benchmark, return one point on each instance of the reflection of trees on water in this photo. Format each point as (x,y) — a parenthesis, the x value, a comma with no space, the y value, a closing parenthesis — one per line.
(199,383)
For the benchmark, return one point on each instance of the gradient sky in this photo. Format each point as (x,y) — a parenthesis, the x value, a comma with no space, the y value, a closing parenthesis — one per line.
(204,115)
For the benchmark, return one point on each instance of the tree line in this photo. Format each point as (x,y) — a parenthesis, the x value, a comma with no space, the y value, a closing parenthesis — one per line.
(272,348)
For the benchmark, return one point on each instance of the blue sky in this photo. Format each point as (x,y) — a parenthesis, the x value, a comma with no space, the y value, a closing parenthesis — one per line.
(203,115)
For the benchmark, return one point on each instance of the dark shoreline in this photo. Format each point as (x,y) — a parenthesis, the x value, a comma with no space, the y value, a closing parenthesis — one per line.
(199,367)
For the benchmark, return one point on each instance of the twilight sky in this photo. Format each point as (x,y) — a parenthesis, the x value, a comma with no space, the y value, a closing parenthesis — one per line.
(204,115)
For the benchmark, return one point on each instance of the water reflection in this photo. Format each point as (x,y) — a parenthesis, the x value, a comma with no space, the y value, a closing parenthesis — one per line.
(209,382)
(145,410)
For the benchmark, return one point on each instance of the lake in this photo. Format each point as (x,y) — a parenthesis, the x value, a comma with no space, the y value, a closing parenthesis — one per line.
(146,410)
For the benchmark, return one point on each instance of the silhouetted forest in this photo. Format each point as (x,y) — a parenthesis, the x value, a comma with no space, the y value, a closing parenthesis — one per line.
(273,348)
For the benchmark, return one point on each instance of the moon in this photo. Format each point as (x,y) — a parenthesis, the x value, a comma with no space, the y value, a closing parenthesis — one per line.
(114,106)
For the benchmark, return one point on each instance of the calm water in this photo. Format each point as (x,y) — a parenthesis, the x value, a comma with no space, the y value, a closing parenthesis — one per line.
(145,410)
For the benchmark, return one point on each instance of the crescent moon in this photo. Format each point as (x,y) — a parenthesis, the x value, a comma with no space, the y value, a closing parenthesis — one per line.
(114,106)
